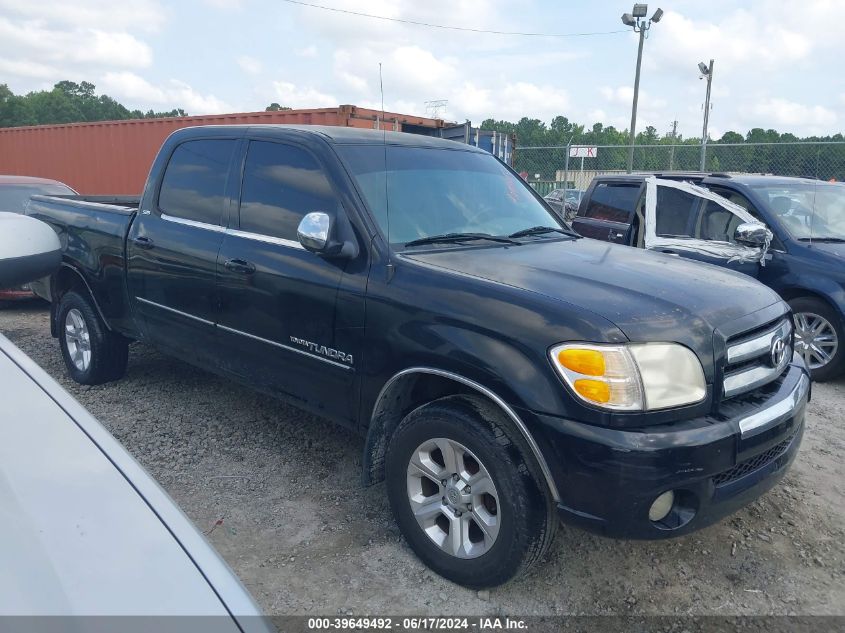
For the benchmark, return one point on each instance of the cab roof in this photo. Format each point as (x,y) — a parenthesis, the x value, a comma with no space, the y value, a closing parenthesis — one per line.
(353,136)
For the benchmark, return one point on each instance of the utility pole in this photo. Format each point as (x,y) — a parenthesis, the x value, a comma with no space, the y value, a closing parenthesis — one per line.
(672,147)
(636,99)
(636,20)
(706,71)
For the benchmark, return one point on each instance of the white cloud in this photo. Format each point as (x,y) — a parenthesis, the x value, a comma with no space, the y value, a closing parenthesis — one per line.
(293,96)
(650,110)
(36,44)
(23,68)
(249,65)
(172,94)
(785,115)
(753,37)
(225,4)
(307,52)
(624,95)
(146,15)
(509,101)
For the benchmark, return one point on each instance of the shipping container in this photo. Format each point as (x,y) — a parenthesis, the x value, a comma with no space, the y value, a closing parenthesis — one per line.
(113,157)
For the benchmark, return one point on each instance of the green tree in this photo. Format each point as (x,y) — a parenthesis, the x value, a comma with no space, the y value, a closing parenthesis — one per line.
(275,107)
(67,102)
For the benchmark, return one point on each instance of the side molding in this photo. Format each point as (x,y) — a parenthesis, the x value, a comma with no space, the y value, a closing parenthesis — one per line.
(544,467)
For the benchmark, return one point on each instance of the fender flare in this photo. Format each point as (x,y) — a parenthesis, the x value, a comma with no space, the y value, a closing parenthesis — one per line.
(488,393)
(79,274)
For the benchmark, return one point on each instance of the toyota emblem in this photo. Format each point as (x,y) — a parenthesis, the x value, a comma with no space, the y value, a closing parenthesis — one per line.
(778,351)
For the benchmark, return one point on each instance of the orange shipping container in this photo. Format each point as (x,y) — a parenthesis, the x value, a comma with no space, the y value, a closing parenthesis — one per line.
(113,157)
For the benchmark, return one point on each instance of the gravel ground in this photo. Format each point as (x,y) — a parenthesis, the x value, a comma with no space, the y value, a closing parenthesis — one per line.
(277,492)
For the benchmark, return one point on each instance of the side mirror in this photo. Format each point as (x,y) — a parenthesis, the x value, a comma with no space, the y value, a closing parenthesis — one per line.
(318,232)
(752,234)
(29,250)
(313,231)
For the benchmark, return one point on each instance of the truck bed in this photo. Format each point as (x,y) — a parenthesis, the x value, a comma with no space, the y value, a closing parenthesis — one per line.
(92,231)
(120,204)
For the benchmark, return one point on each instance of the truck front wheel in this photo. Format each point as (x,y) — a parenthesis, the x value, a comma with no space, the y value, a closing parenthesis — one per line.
(464,496)
(92,354)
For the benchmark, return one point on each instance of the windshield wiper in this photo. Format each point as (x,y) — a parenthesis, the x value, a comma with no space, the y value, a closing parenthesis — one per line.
(538,230)
(821,239)
(454,238)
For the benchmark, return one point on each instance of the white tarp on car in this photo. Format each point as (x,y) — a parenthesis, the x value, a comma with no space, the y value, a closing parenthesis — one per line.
(730,251)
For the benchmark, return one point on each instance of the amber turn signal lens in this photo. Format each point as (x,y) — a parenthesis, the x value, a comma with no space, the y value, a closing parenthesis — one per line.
(593,390)
(587,362)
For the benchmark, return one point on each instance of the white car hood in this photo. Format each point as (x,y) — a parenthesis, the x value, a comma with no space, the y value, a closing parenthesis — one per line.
(78,533)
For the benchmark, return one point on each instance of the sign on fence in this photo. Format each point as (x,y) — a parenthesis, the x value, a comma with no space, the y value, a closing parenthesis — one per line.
(583,151)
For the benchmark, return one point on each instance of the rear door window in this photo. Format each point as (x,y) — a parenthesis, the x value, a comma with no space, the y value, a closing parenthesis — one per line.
(613,202)
(281,184)
(194,182)
(676,212)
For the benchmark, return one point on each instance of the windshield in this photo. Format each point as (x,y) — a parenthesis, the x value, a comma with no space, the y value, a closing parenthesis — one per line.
(13,198)
(807,210)
(431,192)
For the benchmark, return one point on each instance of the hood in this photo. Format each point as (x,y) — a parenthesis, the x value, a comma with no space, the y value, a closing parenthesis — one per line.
(833,249)
(649,296)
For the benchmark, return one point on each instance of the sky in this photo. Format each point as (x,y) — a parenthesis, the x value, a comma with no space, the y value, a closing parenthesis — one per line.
(778,64)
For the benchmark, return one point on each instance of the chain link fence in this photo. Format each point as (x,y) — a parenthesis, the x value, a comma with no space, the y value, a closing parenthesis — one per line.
(549,168)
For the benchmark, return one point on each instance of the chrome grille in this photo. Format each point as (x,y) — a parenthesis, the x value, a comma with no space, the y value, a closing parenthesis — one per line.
(758,358)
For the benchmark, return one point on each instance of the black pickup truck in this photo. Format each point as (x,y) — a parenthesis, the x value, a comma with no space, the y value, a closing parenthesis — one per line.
(504,372)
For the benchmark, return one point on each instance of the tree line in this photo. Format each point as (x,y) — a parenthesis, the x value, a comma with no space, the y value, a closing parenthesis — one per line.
(71,102)
(67,102)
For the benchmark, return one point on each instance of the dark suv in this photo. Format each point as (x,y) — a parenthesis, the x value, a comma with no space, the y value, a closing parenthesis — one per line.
(803,261)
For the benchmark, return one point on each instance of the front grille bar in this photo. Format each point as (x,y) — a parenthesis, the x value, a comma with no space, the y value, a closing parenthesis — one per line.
(758,345)
(753,359)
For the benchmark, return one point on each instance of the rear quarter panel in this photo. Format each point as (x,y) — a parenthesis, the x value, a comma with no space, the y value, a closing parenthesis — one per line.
(93,239)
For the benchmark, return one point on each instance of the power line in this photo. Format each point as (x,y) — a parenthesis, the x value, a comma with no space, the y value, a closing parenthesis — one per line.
(450,28)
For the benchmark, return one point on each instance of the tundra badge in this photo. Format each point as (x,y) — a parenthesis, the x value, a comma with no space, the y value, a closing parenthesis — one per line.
(323,350)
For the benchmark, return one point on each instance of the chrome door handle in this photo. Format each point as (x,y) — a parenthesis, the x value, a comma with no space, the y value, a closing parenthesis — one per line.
(240,266)
(143,242)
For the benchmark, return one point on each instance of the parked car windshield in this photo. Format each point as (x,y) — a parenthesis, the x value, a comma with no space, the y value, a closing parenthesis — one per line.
(13,198)
(432,192)
(808,210)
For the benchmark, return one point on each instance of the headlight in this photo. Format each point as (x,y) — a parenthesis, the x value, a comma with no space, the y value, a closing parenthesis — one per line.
(634,377)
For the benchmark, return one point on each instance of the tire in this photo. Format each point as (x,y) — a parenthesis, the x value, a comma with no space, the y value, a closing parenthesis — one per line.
(808,314)
(521,519)
(81,330)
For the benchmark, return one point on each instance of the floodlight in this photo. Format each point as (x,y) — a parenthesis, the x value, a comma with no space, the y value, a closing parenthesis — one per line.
(703,68)
(640,10)
(628,19)
(657,15)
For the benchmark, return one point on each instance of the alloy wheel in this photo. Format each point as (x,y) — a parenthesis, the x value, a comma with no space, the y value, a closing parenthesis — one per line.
(453,498)
(78,339)
(815,339)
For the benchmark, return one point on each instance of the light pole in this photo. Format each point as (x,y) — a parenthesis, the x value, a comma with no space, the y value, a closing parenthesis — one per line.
(636,20)
(706,71)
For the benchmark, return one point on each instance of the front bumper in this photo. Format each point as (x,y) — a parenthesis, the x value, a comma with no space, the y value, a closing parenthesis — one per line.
(608,478)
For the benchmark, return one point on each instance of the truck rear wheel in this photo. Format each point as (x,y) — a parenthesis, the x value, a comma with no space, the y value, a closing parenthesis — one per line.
(464,496)
(92,354)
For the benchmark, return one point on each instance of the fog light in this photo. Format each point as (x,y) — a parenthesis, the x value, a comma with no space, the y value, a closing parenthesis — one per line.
(661,506)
